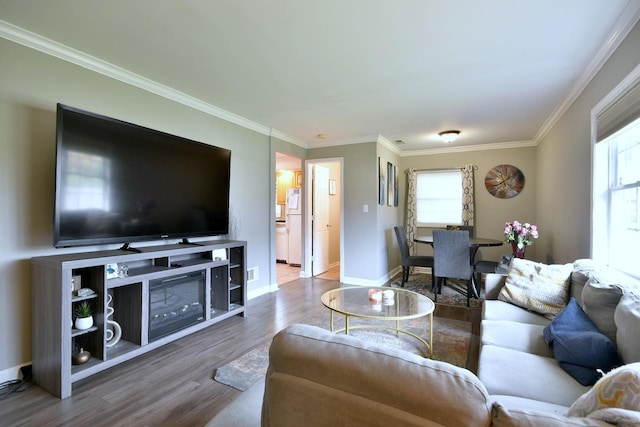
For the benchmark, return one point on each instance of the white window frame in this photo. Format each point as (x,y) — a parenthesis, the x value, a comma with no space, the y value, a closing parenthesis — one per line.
(443,200)
(605,248)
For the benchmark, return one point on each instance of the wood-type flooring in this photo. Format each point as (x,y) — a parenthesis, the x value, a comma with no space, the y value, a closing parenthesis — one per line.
(173,385)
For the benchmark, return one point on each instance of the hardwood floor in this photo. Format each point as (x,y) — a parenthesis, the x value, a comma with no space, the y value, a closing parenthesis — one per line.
(173,385)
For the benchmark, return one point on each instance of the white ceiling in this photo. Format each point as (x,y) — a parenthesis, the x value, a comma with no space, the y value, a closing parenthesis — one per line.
(357,70)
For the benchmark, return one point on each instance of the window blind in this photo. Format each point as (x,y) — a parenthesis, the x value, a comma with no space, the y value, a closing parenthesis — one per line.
(622,112)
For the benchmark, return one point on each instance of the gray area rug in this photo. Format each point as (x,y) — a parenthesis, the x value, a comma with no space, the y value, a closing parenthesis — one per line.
(451,344)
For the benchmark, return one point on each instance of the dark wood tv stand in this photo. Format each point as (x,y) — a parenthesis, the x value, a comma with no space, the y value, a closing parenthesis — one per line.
(221,264)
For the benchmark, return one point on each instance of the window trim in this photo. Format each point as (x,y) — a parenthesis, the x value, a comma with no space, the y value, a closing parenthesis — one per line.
(599,243)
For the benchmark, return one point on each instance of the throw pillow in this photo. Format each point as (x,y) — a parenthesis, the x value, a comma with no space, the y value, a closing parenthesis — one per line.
(582,269)
(627,318)
(578,346)
(620,388)
(537,287)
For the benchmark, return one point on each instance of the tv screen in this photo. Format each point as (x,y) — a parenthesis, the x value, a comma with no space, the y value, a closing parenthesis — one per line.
(117,182)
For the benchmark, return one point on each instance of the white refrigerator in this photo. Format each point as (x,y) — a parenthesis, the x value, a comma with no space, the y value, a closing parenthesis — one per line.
(294,225)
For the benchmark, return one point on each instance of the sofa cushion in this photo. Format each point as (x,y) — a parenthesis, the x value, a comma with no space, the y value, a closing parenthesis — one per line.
(627,318)
(515,373)
(537,287)
(620,388)
(599,302)
(578,346)
(354,382)
(500,310)
(582,269)
(515,335)
(514,402)
(513,417)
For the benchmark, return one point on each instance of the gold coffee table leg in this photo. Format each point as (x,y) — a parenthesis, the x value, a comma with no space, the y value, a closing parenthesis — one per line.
(431,335)
(331,320)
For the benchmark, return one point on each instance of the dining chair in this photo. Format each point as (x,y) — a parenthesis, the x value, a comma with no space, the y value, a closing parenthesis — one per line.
(409,260)
(480,267)
(469,228)
(452,260)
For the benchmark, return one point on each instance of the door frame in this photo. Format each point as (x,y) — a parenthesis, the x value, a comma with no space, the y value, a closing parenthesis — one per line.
(307,217)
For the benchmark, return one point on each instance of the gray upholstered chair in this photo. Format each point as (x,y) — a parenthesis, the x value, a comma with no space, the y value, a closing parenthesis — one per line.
(452,260)
(469,228)
(408,260)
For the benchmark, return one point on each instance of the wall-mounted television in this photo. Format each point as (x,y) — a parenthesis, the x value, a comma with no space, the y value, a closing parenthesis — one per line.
(117,182)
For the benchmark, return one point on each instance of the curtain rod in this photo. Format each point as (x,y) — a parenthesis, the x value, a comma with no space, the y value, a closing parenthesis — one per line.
(443,169)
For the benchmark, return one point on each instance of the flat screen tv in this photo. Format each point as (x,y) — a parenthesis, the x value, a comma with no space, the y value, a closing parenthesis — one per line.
(118,182)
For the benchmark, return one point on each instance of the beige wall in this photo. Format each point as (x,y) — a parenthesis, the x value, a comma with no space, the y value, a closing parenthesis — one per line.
(31,83)
(564,164)
(387,252)
(360,229)
(491,212)
(556,194)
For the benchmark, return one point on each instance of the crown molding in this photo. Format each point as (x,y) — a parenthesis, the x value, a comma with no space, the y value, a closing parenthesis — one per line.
(288,138)
(58,50)
(627,20)
(467,148)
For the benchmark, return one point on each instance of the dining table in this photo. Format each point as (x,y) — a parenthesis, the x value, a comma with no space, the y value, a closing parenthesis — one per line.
(475,243)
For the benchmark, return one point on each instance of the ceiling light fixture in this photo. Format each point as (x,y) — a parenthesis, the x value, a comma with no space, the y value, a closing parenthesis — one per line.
(449,135)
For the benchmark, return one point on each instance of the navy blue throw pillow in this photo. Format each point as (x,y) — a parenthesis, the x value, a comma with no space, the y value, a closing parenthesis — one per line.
(579,346)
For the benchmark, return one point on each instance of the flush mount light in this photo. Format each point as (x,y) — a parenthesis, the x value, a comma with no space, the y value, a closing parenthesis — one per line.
(449,135)
(322,136)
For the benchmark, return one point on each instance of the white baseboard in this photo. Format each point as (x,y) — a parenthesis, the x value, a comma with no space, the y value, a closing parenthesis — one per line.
(261,291)
(11,374)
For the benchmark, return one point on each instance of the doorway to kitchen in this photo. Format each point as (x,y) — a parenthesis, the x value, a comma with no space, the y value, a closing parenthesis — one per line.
(288,216)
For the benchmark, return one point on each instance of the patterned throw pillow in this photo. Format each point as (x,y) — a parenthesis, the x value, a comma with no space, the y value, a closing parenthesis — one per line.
(537,287)
(620,388)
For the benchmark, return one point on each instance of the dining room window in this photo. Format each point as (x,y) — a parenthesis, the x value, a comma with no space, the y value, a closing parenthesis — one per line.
(616,180)
(439,197)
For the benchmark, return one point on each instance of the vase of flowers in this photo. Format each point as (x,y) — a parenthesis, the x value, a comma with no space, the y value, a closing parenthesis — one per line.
(520,235)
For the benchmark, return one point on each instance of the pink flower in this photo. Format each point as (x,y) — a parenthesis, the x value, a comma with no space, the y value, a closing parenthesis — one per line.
(521,233)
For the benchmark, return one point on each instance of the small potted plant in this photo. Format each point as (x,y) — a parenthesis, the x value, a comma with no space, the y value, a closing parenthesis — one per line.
(84,315)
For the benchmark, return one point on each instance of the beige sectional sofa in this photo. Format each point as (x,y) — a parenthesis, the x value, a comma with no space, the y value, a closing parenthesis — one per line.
(316,378)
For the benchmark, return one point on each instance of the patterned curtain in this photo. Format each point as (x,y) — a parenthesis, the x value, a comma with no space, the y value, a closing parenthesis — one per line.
(468,200)
(411,227)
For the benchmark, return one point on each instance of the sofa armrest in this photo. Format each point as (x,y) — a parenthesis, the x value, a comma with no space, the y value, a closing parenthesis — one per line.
(316,378)
(493,283)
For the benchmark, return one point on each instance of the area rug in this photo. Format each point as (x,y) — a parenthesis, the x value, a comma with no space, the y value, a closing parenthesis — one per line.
(451,340)
(421,283)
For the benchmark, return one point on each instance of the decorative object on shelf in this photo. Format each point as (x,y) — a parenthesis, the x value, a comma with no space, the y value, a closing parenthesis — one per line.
(76,283)
(112,271)
(504,181)
(520,235)
(84,315)
(84,292)
(112,335)
(123,270)
(80,357)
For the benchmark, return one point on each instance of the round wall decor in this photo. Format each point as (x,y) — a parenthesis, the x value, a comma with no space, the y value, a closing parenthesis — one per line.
(504,181)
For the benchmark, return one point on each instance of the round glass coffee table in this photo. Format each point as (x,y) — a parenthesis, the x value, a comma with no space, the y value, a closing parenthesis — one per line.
(379,303)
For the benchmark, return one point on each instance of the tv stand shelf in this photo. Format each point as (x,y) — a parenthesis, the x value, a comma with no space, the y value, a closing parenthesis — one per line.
(168,292)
